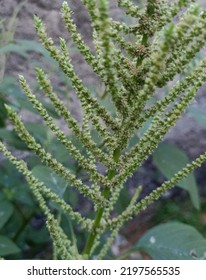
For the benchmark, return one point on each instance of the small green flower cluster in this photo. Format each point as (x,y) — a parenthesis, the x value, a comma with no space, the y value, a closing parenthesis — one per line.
(132,62)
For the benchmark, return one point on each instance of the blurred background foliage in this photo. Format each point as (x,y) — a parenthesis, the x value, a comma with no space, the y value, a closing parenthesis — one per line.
(22,226)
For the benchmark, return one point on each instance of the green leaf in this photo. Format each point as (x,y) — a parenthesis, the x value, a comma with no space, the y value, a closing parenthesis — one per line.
(23,47)
(199,115)
(7,246)
(24,195)
(71,197)
(173,241)
(96,137)
(9,87)
(144,128)
(169,159)
(15,49)
(37,236)
(30,45)
(132,142)
(22,102)
(59,151)
(50,179)
(38,130)
(6,210)
(12,139)
(123,201)
(108,105)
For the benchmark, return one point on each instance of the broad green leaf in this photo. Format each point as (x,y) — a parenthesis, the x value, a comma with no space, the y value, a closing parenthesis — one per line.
(9,87)
(38,130)
(12,139)
(37,236)
(23,102)
(71,196)
(144,128)
(96,137)
(6,210)
(30,45)
(199,115)
(7,246)
(133,141)
(24,195)
(19,100)
(123,201)
(22,47)
(50,179)
(59,151)
(108,105)
(173,241)
(14,48)
(16,221)
(170,159)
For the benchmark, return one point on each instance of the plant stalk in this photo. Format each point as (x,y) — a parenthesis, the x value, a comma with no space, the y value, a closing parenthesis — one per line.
(100,211)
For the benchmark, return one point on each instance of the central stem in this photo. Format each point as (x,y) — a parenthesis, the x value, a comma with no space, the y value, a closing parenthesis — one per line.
(100,210)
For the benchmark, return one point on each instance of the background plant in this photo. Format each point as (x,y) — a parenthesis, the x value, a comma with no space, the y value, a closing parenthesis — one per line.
(131,73)
(21,218)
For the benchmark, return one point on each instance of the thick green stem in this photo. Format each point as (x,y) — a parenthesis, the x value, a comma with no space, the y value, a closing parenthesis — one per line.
(100,211)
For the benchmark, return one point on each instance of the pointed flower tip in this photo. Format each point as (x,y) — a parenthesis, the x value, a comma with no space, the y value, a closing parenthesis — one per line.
(36,18)
(37,21)
(8,108)
(38,70)
(64,4)
(21,78)
(1,145)
(62,41)
(65,8)
(40,74)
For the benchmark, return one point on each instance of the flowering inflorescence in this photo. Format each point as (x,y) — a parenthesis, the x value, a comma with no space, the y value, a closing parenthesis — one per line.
(132,62)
